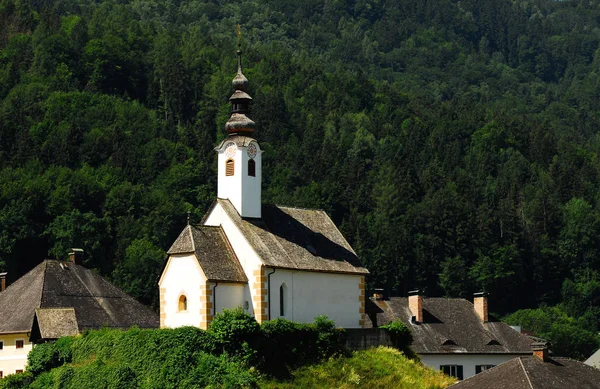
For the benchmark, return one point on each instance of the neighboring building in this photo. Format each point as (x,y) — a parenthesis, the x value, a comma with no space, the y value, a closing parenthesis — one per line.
(272,261)
(61,298)
(536,372)
(594,360)
(451,334)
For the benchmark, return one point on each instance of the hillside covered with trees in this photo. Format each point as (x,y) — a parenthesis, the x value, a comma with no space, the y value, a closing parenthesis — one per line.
(455,143)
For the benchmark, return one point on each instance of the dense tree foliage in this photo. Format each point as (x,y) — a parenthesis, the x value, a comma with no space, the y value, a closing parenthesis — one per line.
(455,142)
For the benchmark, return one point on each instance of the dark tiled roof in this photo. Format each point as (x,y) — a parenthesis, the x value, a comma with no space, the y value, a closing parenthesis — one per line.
(54,323)
(531,373)
(55,284)
(213,252)
(19,301)
(297,238)
(450,325)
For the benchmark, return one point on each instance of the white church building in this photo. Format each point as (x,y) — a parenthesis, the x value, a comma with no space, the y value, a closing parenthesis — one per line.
(272,261)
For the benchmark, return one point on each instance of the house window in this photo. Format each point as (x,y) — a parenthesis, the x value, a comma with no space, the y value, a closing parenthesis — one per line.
(251,168)
(282,290)
(19,343)
(1,345)
(229,167)
(480,368)
(1,374)
(182,303)
(18,371)
(453,370)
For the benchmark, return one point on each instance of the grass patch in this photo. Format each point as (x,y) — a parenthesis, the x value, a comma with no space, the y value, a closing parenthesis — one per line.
(381,367)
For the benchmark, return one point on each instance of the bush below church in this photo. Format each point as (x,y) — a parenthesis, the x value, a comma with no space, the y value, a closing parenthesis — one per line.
(233,353)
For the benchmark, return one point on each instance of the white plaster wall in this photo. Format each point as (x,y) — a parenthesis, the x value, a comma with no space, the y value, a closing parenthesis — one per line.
(182,275)
(228,295)
(243,191)
(251,186)
(468,361)
(11,358)
(245,253)
(310,294)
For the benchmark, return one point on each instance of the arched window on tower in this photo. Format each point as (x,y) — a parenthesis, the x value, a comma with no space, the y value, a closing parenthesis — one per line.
(229,167)
(251,168)
(282,293)
(182,303)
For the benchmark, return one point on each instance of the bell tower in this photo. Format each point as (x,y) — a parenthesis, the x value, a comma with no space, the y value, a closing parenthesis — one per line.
(240,156)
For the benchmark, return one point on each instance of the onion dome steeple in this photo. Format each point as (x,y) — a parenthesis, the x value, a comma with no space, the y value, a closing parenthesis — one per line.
(239,123)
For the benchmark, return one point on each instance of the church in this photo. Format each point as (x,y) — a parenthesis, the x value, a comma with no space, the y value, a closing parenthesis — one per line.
(270,260)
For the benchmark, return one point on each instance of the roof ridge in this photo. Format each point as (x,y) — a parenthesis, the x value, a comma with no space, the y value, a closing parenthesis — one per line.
(525,372)
(45,263)
(189,227)
(295,207)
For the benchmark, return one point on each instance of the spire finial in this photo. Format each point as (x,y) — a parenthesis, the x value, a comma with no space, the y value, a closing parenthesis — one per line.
(188,217)
(238,30)
(239,123)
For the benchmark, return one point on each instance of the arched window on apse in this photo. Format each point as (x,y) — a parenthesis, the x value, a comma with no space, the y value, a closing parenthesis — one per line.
(182,303)
(282,293)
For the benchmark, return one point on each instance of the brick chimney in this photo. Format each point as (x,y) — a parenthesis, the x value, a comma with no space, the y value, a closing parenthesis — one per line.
(75,256)
(3,281)
(480,304)
(540,351)
(415,304)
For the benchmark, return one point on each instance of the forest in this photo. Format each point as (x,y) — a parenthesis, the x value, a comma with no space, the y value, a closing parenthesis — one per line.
(455,143)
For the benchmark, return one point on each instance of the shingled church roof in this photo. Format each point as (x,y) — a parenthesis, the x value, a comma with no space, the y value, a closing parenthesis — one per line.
(450,325)
(296,238)
(56,284)
(213,252)
(533,373)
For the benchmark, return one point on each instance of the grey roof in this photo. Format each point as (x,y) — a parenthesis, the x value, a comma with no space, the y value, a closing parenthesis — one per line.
(213,252)
(54,323)
(296,238)
(55,284)
(532,373)
(450,325)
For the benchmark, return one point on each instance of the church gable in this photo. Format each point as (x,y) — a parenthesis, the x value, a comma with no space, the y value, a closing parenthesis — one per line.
(212,251)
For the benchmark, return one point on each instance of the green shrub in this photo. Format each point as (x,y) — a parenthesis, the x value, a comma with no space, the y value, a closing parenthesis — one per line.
(16,381)
(236,333)
(328,337)
(400,334)
(230,354)
(288,344)
(46,356)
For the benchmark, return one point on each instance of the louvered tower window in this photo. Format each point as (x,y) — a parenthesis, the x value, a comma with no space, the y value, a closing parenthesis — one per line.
(229,167)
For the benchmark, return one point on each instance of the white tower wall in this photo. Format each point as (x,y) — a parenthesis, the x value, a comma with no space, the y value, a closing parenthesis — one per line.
(242,190)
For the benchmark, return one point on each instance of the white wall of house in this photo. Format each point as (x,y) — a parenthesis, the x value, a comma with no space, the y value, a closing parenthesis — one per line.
(182,276)
(11,357)
(230,295)
(310,294)
(242,190)
(468,361)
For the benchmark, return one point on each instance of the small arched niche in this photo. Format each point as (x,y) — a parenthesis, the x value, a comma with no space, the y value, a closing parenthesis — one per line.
(182,304)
